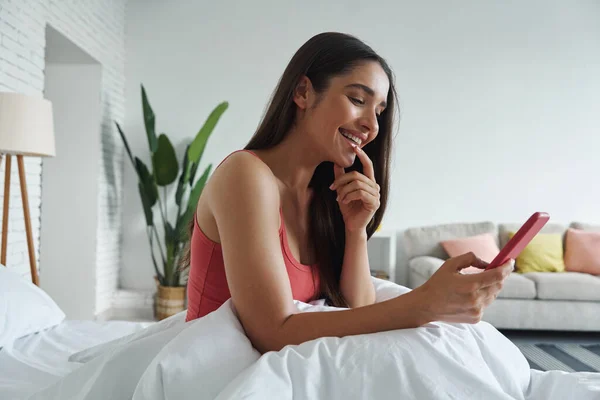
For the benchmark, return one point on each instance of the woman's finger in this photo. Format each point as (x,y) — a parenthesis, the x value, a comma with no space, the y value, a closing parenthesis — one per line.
(488,278)
(366,163)
(356,185)
(338,171)
(464,261)
(352,176)
(492,289)
(367,198)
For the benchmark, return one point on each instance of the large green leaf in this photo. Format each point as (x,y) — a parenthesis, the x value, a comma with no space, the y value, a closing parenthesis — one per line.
(171,244)
(149,122)
(182,178)
(164,161)
(125,143)
(193,169)
(147,182)
(171,241)
(192,202)
(146,204)
(197,147)
(159,276)
(170,236)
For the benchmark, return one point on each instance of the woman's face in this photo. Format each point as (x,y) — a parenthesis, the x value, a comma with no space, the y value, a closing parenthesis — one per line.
(347,112)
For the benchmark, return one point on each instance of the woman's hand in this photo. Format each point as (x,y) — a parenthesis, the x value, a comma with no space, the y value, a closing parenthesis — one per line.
(450,296)
(357,194)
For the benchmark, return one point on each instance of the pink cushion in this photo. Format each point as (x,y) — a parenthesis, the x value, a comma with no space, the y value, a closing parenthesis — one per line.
(582,251)
(484,246)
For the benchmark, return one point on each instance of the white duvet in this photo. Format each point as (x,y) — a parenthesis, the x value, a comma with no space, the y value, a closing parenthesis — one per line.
(211,358)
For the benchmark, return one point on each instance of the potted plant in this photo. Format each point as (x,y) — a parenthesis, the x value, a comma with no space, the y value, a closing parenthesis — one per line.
(164,172)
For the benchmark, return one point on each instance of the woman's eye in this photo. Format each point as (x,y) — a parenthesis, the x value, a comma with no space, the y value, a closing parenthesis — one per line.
(357,101)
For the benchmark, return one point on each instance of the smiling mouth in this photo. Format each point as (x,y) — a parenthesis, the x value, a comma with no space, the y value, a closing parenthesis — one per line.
(350,137)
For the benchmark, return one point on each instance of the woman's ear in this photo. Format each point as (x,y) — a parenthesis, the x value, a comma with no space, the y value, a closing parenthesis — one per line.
(303,93)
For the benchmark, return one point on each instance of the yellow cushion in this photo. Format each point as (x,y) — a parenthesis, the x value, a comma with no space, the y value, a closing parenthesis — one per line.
(543,254)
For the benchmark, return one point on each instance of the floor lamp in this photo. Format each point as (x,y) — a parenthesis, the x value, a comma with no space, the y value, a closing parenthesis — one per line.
(26,129)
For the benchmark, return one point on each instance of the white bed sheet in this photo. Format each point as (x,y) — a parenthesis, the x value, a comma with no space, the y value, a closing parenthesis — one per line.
(38,360)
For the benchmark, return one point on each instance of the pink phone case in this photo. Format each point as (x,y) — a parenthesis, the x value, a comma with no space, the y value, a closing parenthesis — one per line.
(521,239)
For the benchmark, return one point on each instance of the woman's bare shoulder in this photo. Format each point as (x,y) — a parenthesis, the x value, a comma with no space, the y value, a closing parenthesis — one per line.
(242,181)
(240,172)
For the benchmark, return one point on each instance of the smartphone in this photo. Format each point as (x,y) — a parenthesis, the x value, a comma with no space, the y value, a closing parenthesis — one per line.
(520,240)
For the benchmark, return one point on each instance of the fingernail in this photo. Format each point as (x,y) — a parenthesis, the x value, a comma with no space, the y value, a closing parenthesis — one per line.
(337,198)
(331,186)
(353,145)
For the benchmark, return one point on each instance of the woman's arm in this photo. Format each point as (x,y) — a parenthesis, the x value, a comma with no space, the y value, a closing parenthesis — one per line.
(355,281)
(244,200)
(358,198)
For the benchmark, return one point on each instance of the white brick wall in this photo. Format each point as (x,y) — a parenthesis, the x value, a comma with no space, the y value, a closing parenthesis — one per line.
(97,27)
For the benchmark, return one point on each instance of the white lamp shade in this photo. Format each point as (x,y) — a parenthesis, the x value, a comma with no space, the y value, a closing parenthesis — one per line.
(26,125)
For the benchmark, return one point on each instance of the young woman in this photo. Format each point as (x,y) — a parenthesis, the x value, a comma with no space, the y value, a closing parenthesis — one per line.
(289,216)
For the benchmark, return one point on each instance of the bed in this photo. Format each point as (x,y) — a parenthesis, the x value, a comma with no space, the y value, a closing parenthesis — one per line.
(36,340)
(40,359)
(211,358)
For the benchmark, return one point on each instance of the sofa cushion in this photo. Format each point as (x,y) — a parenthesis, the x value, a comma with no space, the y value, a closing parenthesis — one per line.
(543,254)
(565,286)
(515,286)
(485,246)
(426,240)
(505,229)
(582,251)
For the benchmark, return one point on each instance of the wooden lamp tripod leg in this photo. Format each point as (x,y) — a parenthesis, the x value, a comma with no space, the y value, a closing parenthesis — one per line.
(25,199)
(5,209)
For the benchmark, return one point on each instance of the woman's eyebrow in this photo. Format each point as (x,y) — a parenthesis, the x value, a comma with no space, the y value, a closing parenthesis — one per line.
(367,90)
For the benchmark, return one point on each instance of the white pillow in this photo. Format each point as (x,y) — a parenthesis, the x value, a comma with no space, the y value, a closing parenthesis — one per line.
(24,308)
(90,353)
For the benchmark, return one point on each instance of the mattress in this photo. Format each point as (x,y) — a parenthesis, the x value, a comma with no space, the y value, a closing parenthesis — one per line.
(38,360)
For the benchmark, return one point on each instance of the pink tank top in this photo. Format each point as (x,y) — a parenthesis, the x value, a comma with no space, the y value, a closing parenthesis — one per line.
(207,287)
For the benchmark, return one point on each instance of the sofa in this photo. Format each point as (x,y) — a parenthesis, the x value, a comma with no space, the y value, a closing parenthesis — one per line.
(565,301)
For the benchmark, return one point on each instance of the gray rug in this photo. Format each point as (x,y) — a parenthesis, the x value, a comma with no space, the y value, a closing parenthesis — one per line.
(564,357)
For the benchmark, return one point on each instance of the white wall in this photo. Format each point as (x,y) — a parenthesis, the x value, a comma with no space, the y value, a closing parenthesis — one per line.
(70,192)
(97,27)
(500,100)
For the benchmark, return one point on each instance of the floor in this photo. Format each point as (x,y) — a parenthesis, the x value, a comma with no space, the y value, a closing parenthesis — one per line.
(556,337)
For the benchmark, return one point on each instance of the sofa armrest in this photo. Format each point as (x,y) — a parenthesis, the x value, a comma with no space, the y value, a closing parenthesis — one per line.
(424,266)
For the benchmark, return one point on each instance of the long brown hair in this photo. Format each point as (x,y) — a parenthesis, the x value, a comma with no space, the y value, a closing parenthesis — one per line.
(321,58)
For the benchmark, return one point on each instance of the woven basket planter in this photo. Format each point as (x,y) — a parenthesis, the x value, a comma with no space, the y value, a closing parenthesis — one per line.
(169,301)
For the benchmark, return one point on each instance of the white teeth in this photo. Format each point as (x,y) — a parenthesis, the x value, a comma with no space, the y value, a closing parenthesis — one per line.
(355,139)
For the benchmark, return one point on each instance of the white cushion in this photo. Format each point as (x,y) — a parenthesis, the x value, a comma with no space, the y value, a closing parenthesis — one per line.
(386,290)
(24,308)
(566,285)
